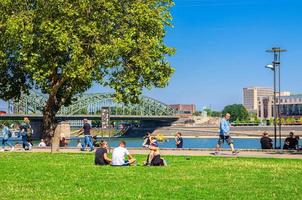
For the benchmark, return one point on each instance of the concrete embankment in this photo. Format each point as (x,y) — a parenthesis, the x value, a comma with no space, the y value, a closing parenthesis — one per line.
(243,131)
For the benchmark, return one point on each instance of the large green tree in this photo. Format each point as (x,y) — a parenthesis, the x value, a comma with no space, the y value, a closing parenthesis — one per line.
(237,111)
(62,47)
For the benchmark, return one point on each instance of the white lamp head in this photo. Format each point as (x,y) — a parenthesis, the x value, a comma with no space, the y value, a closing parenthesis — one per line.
(270,66)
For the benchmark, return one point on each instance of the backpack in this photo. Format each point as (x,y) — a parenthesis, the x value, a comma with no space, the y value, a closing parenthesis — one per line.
(10,133)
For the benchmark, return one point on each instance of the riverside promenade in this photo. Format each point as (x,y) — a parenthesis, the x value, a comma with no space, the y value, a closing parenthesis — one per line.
(192,152)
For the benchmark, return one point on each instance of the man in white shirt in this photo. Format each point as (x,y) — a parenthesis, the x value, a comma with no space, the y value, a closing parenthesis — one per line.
(118,156)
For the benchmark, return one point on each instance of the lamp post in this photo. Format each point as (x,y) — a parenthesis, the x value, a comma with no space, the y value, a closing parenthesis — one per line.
(275,67)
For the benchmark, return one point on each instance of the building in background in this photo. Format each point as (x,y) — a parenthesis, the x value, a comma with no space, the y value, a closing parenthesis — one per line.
(290,106)
(184,110)
(251,96)
(283,94)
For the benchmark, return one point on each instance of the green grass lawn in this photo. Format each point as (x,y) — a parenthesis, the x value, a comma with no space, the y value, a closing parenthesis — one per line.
(74,176)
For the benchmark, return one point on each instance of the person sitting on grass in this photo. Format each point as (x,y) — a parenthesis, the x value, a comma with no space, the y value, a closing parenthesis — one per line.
(146,142)
(101,154)
(18,146)
(42,144)
(79,144)
(154,158)
(154,150)
(298,146)
(118,156)
(266,141)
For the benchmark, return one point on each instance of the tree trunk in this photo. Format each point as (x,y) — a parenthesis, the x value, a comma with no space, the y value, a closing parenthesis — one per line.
(49,124)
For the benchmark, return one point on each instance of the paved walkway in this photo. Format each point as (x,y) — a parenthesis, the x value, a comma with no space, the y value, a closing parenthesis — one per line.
(193,152)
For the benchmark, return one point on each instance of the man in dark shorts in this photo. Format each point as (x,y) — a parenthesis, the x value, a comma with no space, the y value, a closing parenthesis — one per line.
(224,134)
(101,156)
(87,139)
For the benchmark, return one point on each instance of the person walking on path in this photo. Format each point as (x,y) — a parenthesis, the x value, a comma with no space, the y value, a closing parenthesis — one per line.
(224,134)
(6,133)
(25,131)
(87,136)
(179,141)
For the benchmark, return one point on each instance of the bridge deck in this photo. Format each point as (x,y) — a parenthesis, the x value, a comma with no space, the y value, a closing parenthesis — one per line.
(91,117)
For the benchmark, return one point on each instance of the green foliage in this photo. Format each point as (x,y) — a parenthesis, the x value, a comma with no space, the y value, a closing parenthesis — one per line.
(96,123)
(216,114)
(116,43)
(271,121)
(10,123)
(237,111)
(290,120)
(74,176)
(212,113)
(197,113)
(209,111)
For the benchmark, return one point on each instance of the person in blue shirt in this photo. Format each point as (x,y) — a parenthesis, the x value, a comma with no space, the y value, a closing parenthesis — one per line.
(25,129)
(6,133)
(224,134)
(179,141)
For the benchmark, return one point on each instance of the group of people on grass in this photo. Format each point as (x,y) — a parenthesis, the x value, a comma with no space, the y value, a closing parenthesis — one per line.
(122,157)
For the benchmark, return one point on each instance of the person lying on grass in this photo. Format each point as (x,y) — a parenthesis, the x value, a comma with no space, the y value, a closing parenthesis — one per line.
(101,154)
(118,156)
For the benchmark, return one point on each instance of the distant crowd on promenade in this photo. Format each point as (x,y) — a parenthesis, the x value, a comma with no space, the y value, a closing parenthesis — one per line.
(25,132)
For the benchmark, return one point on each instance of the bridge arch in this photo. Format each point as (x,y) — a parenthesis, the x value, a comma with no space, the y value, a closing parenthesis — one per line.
(92,104)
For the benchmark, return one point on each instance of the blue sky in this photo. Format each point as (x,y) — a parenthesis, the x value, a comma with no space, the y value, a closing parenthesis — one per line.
(221,49)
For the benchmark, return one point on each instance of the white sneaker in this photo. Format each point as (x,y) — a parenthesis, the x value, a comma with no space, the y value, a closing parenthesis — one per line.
(12,149)
(30,146)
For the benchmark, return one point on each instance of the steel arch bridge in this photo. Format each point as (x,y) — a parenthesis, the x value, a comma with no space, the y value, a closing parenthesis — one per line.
(92,104)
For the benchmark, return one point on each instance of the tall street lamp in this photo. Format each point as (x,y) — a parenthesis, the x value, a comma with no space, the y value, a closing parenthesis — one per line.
(275,67)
